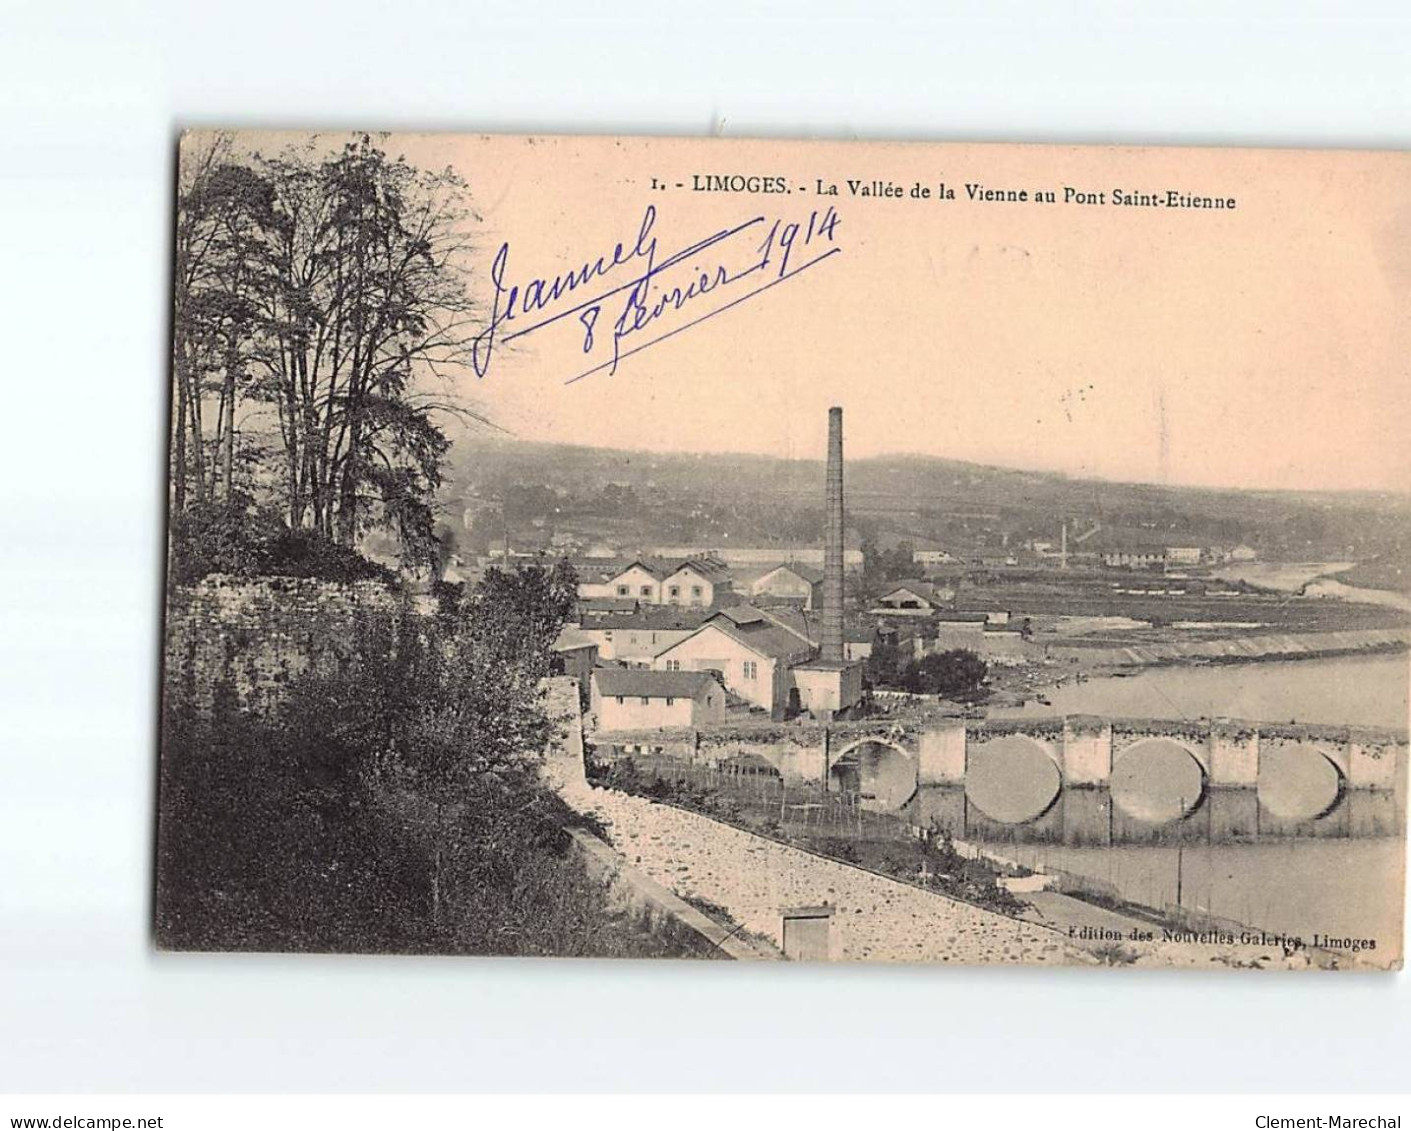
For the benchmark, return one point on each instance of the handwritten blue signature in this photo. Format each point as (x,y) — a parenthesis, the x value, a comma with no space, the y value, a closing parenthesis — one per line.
(762,250)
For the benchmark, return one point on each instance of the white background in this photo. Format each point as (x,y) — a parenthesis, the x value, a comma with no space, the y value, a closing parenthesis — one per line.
(90,100)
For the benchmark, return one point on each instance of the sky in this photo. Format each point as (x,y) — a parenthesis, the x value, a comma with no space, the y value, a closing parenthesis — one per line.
(1265,346)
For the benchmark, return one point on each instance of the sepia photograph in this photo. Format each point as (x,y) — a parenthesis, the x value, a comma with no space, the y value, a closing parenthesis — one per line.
(786,551)
(844,561)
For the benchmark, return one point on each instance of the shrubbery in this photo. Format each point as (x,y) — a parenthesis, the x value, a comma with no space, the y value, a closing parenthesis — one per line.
(236,537)
(392,807)
(957,673)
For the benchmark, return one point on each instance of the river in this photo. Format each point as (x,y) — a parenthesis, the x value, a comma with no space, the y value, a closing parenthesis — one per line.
(1348,888)
(1333,886)
(1313,579)
(1338,690)
(1286,576)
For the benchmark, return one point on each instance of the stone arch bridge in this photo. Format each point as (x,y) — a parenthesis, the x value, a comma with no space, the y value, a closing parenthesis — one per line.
(1014,770)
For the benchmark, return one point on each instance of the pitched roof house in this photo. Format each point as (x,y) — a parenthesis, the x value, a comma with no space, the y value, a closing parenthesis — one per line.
(701,582)
(913,597)
(639,699)
(751,653)
(640,634)
(793,582)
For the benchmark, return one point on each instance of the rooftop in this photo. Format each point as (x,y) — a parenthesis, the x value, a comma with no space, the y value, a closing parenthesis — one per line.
(822,665)
(798,621)
(741,615)
(648,684)
(605,569)
(812,574)
(759,634)
(913,585)
(571,637)
(649,618)
(600,605)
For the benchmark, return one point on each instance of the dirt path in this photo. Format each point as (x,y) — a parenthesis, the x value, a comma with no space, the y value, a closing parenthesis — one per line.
(754,878)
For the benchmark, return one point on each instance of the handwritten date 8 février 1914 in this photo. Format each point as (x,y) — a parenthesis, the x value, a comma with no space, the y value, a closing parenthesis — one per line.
(631,298)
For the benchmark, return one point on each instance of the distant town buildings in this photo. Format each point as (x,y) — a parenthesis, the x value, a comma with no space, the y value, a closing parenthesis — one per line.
(671,627)
(665,638)
(1157,557)
(762,555)
(696,582)
(1134,559)
(932,555)
(913,598)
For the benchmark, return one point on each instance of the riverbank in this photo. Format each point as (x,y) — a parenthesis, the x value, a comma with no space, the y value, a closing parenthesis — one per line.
(1336,588)
(1379,575)
(1236,649)
(1239,684)
(1283,577)
(1309,891)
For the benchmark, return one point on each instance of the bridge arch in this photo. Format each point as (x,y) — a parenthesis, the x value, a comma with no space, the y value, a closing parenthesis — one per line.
(876,768)
(744,763)
(1158,779)
(1012,778)
(1299,781)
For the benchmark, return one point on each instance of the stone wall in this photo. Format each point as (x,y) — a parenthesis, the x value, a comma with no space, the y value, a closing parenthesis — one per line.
(661,911)
(251,638)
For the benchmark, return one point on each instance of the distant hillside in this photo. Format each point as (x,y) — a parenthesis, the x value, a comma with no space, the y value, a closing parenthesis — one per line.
(691,497)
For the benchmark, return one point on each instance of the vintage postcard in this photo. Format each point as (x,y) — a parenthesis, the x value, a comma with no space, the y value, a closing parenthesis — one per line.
(771,551)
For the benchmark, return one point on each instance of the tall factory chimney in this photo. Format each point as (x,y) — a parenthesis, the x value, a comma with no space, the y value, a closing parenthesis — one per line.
(832,619)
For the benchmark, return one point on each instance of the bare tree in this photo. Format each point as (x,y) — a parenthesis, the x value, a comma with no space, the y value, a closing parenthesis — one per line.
(371,308)
(331,288)
(223,220)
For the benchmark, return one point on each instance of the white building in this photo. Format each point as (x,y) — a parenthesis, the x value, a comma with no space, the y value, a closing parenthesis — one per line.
(640,699)
(825,687)
(636,637)
(628,580)
(953,630)
(858,643)
(1134,559)
(793,582)
(698,582)
(750,653)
